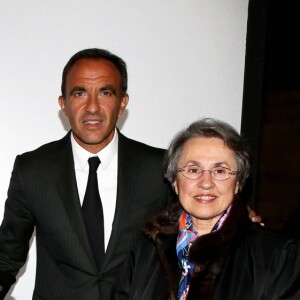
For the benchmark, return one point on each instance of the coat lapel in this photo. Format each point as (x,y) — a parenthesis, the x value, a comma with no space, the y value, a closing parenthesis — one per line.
(65,181)
(126,183)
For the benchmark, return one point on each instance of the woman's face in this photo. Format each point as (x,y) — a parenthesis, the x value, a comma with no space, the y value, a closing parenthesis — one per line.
(206,198)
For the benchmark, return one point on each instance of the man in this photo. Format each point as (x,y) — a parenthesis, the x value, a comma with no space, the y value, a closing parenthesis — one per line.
(48,185)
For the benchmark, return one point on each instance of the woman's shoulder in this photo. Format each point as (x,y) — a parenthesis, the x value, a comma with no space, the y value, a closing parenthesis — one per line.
(267,265)
(269,241)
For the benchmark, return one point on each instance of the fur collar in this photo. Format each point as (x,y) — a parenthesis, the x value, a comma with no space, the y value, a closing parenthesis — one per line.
(207,251)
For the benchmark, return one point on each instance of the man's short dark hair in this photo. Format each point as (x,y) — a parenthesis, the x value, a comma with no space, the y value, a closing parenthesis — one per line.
(95,53)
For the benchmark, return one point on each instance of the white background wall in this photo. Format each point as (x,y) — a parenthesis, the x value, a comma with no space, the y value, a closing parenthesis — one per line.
(185,61)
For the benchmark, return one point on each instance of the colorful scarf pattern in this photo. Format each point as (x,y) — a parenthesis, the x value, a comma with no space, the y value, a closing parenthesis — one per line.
(186,235)
(185,238)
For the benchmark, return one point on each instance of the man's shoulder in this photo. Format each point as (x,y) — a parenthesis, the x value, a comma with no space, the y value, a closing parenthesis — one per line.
(139,147)
(47,149)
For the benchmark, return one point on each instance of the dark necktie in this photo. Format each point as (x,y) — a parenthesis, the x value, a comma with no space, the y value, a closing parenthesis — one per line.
(93,212)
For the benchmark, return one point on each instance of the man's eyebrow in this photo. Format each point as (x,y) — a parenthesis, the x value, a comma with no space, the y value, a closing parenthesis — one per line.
(110,88)
(77,89)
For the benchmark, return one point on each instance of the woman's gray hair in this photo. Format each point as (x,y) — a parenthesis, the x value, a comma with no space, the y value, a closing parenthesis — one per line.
(209,128)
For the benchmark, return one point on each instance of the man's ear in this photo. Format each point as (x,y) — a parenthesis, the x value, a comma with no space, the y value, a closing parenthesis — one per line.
(61,102)
(124,102)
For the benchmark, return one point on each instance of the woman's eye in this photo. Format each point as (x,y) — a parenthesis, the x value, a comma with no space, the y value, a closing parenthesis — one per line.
(220,171)
(194,170)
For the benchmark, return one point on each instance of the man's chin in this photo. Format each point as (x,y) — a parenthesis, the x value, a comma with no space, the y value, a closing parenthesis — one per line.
(94,144)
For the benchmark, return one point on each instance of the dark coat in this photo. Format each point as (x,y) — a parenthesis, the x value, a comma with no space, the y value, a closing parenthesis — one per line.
(292,226)
(241,261)
(43,195)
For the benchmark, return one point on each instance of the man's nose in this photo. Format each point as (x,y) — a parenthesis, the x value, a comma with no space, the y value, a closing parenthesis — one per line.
(92,104)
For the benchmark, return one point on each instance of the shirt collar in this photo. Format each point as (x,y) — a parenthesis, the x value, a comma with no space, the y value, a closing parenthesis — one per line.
(106,155)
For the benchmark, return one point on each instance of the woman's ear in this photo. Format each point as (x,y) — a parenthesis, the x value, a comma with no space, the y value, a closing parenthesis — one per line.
(175,187)
(237,187)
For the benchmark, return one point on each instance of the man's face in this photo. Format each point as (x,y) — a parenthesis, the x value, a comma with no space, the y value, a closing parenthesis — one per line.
(93,102)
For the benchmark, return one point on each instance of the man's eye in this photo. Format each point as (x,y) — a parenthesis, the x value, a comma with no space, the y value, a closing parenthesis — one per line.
(106,93)
(78,94)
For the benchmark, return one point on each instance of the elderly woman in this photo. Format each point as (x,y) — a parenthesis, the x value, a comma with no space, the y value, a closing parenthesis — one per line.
(205,247)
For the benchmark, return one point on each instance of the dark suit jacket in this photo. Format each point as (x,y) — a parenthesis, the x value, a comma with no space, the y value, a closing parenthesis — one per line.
(43,194)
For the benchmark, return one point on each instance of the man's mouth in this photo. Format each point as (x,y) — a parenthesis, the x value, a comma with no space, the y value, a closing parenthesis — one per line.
(92,122)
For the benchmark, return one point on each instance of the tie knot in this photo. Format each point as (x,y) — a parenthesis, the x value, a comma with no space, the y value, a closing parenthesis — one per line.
(94,163)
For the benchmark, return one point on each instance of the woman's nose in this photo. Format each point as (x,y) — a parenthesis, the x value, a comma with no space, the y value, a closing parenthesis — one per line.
(205,181)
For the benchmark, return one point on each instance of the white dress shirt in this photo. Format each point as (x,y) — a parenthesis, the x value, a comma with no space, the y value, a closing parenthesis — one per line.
(107,178)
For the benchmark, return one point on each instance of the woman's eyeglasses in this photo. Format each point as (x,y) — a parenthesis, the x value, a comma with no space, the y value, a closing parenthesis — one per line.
(195,172)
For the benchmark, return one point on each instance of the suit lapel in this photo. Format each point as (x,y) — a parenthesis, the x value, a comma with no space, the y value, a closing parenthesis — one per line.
(65,181)
(125,186)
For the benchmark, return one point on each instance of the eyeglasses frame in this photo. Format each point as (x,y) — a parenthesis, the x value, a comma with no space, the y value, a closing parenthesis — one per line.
(181,170)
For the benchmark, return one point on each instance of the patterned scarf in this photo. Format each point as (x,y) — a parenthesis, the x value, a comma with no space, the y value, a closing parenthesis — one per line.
(185,238)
